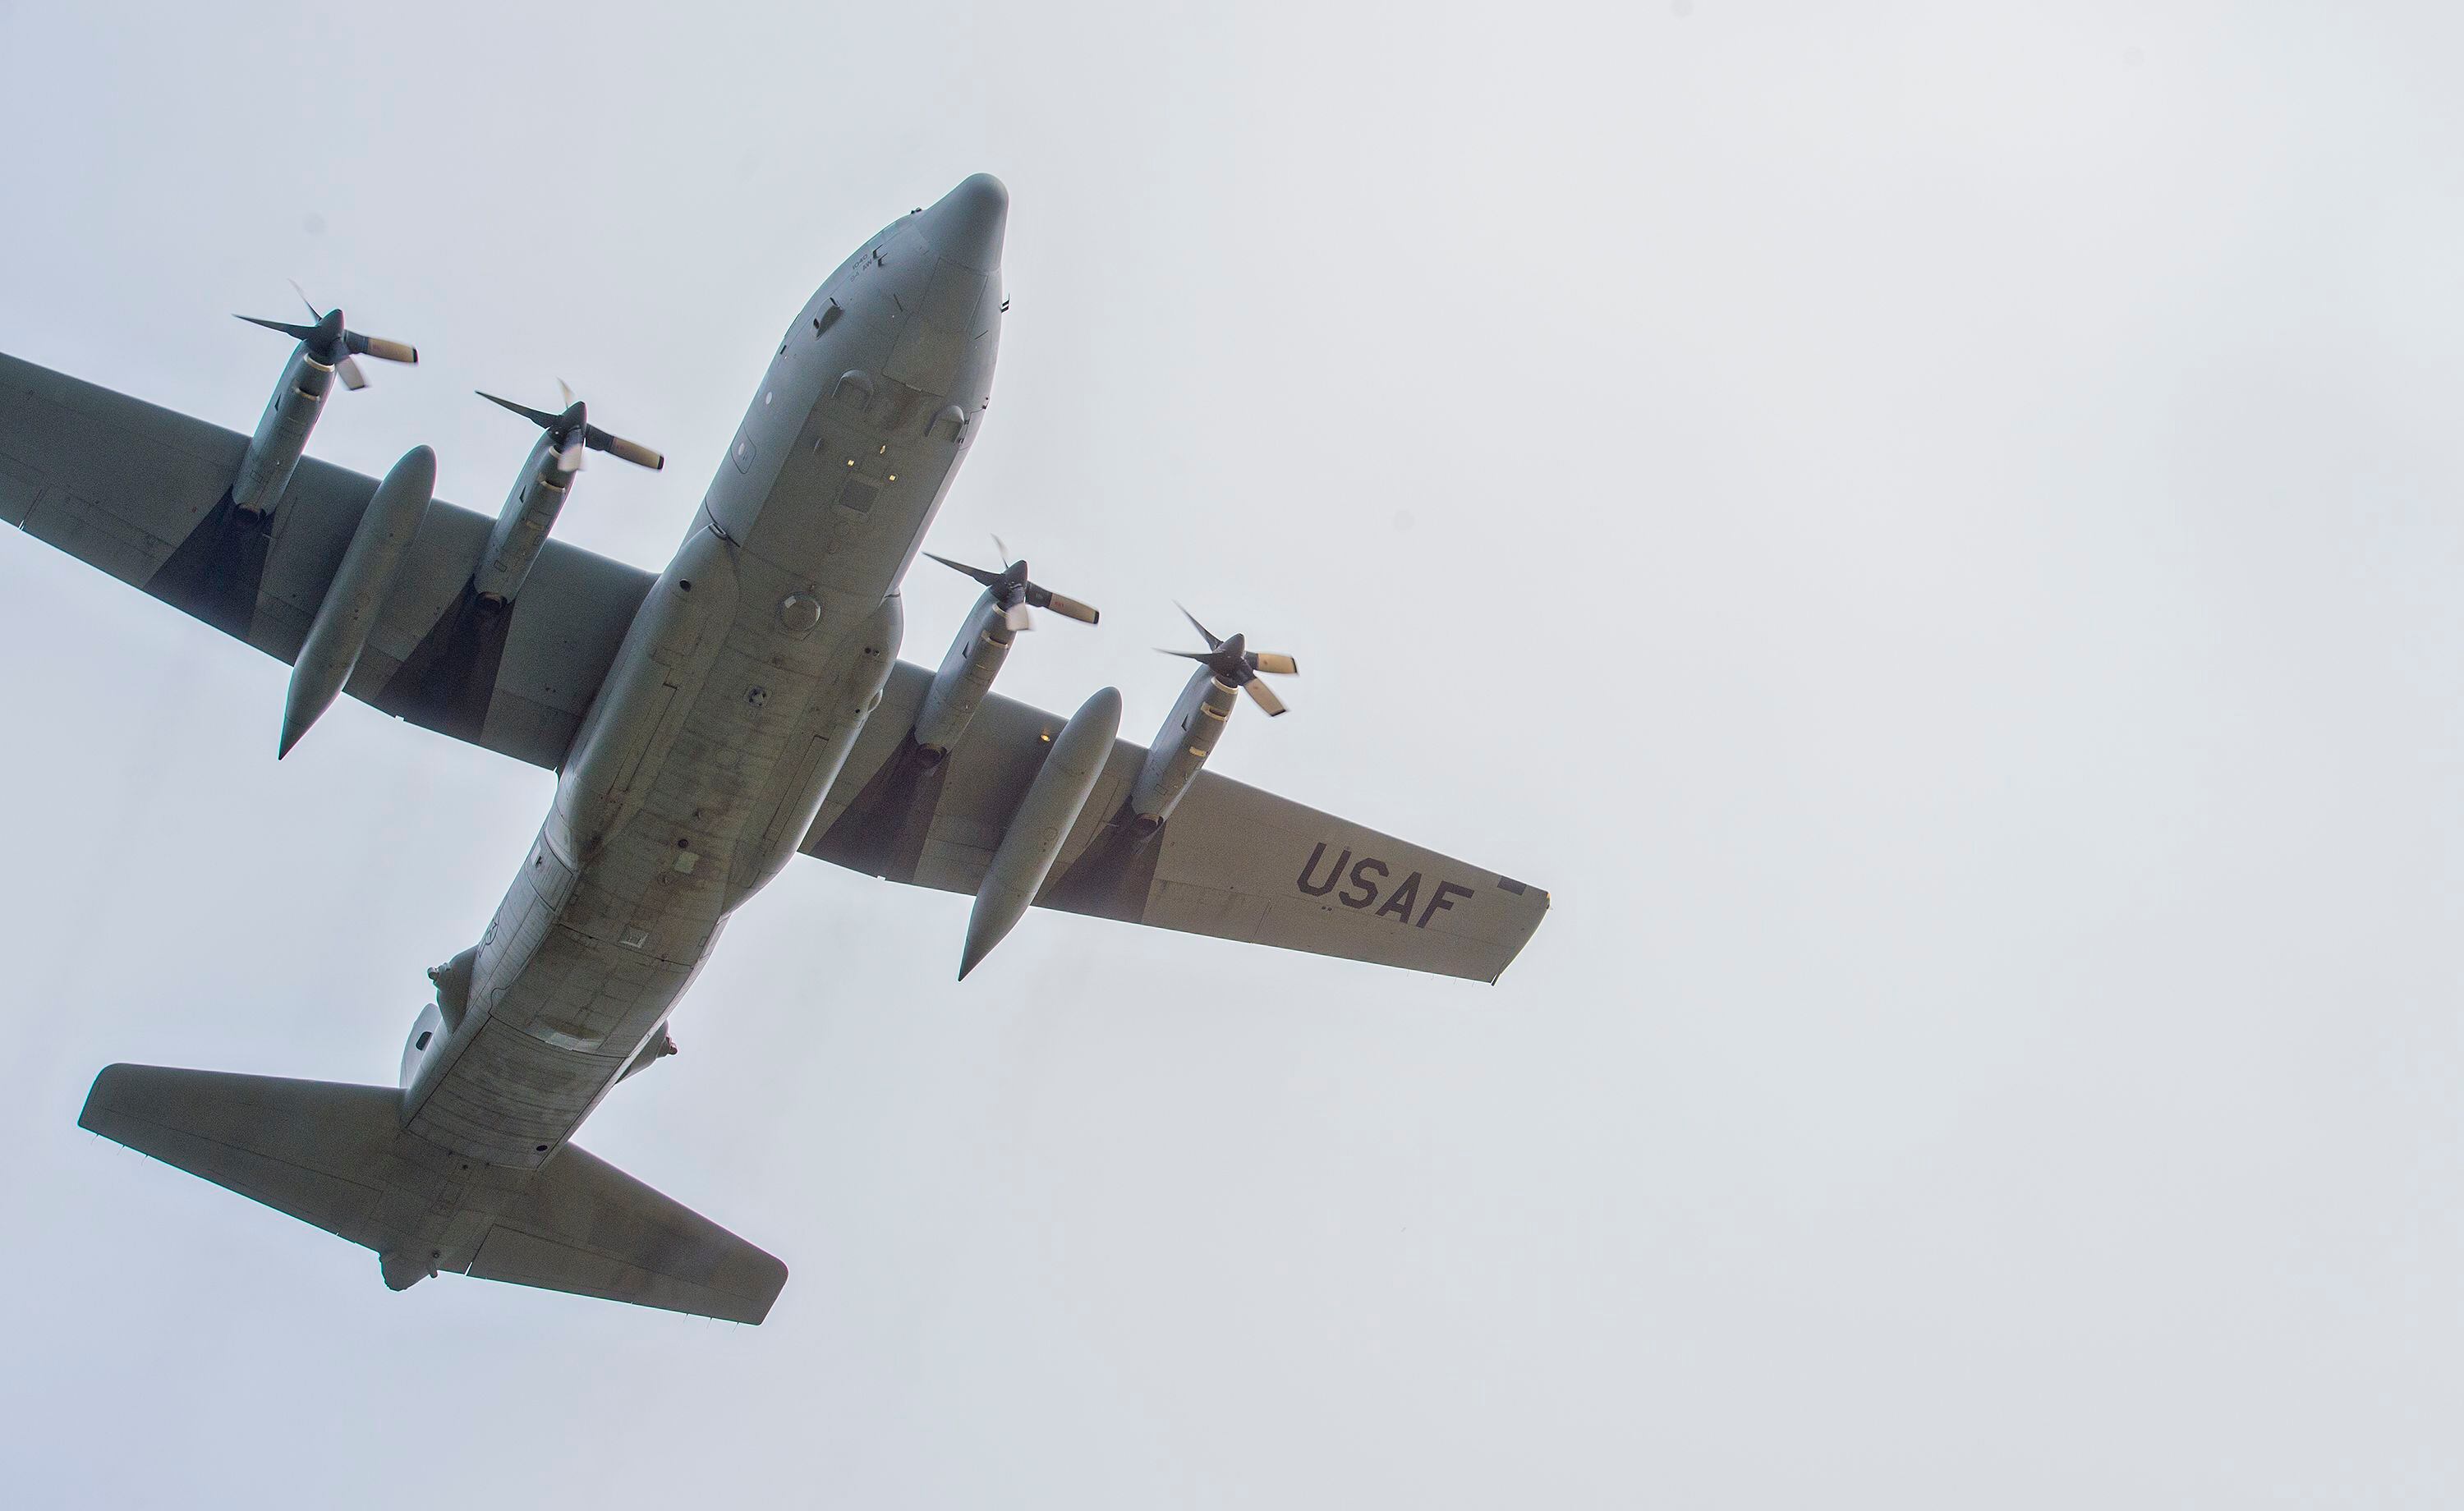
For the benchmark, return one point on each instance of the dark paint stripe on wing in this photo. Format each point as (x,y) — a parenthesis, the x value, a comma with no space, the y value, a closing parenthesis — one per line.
(882,832)
(450,678)
(214,573)
(1113,876)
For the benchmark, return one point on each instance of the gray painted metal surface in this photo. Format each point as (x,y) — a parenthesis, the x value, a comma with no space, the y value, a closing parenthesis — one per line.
(340,631)
(706,724)
(1032,840)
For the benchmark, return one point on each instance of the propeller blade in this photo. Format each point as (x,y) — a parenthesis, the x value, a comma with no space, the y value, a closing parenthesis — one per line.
(349,372)
(987,579)
(1280,666)
(1204,633)
(623,451)
(1020,616)
(1004,552)
(382,350)
(569,456)
(543,421)
(1263,696)
(1068,609)
(564,393)
(314,313)
(298,332)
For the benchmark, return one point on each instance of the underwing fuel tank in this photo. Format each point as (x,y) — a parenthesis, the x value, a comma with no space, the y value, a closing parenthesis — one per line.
(1030,844)
(357,592)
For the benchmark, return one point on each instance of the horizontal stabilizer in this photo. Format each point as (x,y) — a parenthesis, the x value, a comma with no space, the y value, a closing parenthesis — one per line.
(582,1225)
(337,1156)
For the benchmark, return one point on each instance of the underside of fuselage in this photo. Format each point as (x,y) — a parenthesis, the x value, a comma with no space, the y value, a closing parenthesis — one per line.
(744,682)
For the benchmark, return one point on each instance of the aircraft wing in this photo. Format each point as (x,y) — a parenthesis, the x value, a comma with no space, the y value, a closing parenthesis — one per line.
(143,493)
(1233,862)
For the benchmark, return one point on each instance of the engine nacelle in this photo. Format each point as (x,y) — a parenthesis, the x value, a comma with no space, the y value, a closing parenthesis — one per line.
(975,656)
(524,523)
(1180,747)
(281,435)
(327,350)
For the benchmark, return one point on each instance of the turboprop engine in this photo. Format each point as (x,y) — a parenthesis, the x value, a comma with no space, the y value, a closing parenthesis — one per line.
(1226,670)
(323,353)
(539,492)
(983,644)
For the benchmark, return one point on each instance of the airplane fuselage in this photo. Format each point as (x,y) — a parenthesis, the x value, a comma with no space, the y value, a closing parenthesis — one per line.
(741,686)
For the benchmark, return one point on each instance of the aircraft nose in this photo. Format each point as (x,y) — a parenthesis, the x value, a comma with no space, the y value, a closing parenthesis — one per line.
(966,225)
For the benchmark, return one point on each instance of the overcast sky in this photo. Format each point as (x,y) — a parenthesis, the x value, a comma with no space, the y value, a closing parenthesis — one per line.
(1933,531)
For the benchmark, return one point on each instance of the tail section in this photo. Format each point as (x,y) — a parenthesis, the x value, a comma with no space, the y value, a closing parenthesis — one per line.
(337,1156)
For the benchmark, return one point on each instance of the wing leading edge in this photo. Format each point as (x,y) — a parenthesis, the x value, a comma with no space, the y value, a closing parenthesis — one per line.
(143,493)
(1233,862)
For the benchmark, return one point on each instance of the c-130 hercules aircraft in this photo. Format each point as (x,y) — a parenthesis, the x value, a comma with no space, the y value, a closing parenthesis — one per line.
(705,725)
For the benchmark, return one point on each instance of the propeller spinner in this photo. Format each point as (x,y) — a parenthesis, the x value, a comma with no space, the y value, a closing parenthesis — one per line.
(573,432)
(1236,666)
(333,344)
(1016,595)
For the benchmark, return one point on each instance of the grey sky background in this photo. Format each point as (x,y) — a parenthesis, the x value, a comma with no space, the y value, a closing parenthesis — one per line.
(1932,530)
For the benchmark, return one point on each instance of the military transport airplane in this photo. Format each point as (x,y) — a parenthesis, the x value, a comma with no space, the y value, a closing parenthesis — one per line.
(705,725)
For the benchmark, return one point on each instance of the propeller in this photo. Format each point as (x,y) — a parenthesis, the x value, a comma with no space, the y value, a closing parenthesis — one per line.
(1016,595)
(330,342)
(1236,666)
(573,432)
